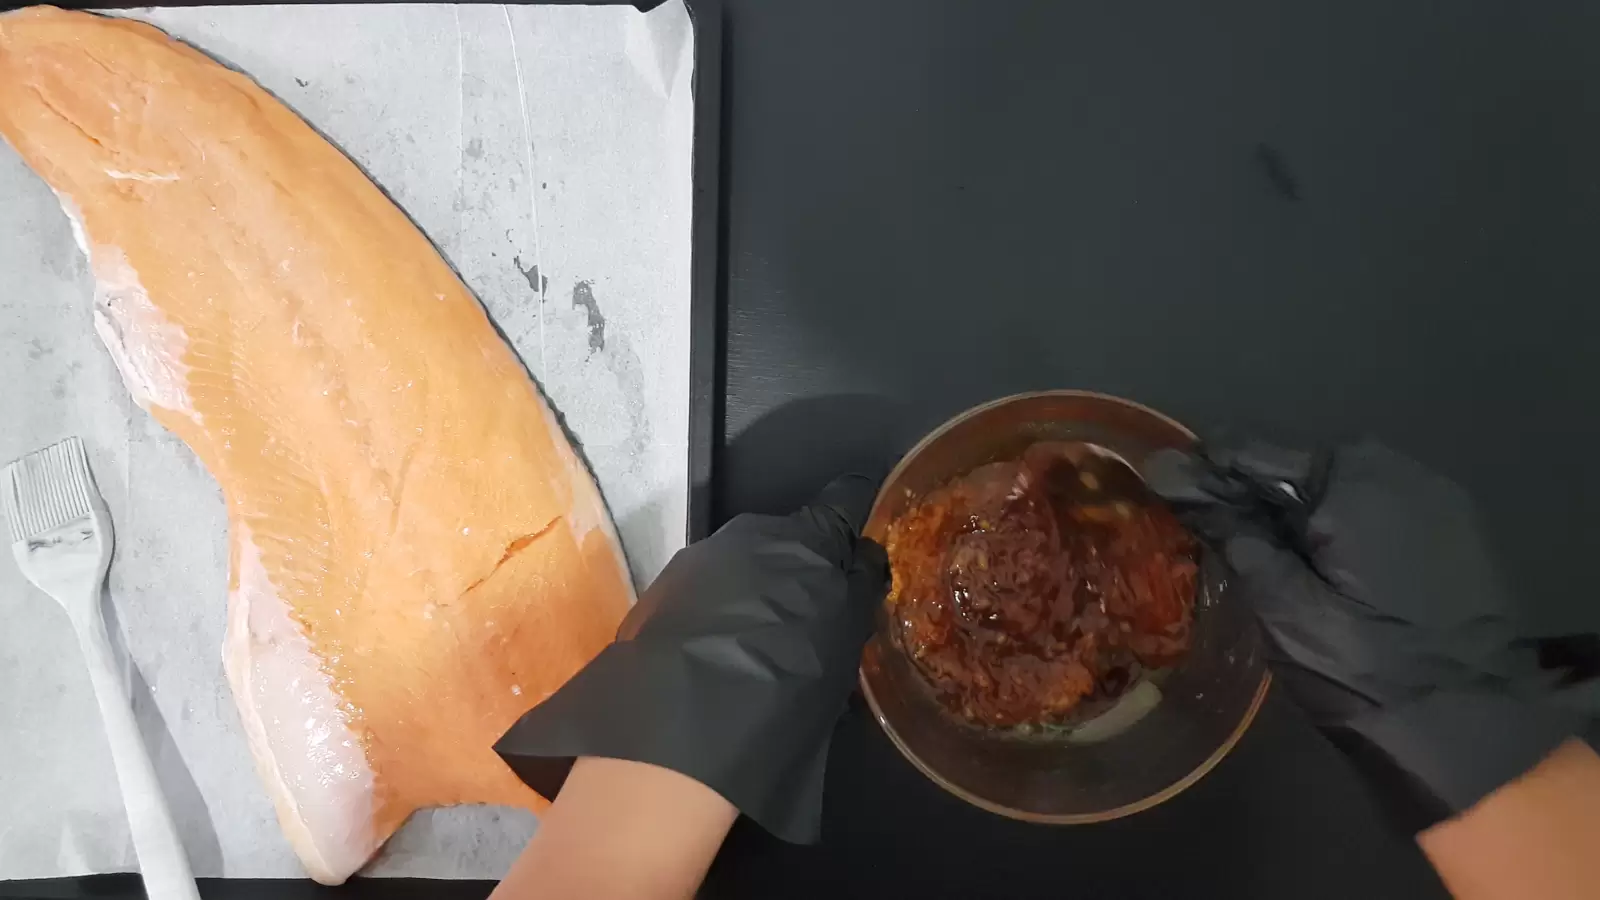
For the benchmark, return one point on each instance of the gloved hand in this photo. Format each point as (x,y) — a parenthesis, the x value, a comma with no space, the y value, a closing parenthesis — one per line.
(1385,616)
(733,667)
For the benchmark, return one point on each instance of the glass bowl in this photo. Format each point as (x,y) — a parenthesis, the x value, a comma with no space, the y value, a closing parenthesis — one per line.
(1157,739)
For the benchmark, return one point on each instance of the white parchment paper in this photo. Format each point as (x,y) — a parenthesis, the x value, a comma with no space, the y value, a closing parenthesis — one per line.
(546,151)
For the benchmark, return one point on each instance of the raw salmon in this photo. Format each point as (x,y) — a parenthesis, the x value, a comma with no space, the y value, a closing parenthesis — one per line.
(418,556)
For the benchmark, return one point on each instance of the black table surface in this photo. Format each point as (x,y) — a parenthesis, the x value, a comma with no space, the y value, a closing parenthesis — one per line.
(1309,220)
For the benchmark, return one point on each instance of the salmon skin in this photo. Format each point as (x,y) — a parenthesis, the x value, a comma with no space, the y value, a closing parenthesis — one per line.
(417,554)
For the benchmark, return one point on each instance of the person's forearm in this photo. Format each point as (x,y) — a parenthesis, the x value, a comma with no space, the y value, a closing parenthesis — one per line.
(622,829)
(1538,836)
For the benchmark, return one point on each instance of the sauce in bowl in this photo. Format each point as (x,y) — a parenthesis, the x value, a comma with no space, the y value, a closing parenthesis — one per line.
(1032,592)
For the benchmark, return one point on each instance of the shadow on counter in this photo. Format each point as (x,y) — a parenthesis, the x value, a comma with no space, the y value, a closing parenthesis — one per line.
(809,441)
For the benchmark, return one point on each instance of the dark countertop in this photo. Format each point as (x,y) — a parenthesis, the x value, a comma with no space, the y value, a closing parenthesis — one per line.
(1311,221)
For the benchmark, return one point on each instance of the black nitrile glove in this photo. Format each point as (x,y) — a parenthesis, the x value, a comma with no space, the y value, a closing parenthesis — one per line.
(1386,618)
(733,667)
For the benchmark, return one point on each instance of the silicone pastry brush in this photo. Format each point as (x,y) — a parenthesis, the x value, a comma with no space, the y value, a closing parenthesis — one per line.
(61,537)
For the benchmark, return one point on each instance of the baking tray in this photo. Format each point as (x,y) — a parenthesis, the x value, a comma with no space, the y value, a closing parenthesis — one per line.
(706,285)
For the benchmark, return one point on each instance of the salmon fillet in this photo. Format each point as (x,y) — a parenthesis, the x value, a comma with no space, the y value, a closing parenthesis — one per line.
(417,554)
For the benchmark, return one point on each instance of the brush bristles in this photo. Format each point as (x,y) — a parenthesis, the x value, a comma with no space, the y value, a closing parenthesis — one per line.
(47,489)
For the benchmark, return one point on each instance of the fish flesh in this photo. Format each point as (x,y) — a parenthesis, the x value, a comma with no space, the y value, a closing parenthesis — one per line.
(417,554)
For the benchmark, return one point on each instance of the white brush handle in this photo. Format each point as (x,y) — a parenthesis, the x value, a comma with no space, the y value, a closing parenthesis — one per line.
(162,862)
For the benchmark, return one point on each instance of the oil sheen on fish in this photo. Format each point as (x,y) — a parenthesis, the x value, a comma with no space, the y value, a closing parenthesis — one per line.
(417,554)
